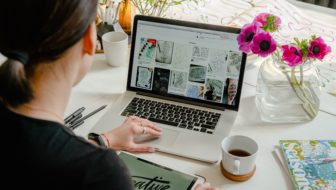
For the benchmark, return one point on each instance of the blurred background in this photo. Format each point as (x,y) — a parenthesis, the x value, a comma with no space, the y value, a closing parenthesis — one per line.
(324,3)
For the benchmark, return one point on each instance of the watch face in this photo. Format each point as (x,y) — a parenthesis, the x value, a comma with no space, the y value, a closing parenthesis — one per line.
(93,135)
(97,138)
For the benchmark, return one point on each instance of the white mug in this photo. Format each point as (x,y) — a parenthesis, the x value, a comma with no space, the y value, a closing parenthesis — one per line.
(239,154)
(115,45)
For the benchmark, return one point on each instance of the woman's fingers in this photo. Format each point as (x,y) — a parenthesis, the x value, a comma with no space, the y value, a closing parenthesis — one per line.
(152,131)
(155,128)
(205,186)
(147,123)
(146,126)
(123,137)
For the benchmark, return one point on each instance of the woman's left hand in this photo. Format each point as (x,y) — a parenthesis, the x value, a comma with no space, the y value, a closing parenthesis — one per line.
(122,137)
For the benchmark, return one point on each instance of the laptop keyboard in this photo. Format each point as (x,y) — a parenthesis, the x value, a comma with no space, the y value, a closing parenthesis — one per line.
(173,115)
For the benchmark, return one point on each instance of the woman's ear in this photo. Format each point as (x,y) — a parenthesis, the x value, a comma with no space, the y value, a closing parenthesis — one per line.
(89,40)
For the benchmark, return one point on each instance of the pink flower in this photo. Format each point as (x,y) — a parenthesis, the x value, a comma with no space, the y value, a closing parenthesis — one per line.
(268,22)
(246,36)
(318,49)
(292,55)
(263,44)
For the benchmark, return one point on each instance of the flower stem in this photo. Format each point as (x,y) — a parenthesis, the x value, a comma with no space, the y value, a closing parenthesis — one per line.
(301,75)
(295,85)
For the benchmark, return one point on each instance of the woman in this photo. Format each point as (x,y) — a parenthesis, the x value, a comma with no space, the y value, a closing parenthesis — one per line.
(50,46)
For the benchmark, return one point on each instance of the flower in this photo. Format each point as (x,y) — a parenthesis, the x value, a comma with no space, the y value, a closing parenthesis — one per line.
(246,36)
(292,55)
(318,48)
(263,44)
(256,37)
(268,22)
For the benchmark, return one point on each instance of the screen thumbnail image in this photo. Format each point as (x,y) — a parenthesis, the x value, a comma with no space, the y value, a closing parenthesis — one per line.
(182,55)
(213,90)
(195,91)
(144,77)
(217,63)
(161,80)
(147,49)
(197,73)
(234,63)
(230,91)
(178,81)
(164,52)
(199,54)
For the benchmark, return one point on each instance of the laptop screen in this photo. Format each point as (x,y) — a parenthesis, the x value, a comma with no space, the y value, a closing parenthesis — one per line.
(185,61)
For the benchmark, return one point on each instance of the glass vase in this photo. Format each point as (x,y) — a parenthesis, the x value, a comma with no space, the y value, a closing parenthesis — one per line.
(287,94)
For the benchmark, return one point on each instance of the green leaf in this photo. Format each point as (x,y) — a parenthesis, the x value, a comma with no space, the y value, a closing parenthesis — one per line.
(314,142)
(333,143)
(270,25)
(178,2)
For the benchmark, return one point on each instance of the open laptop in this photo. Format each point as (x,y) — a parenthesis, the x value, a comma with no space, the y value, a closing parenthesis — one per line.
(187,78)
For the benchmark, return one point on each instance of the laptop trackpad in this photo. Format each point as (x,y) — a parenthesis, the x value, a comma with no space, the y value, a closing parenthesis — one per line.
(167,139)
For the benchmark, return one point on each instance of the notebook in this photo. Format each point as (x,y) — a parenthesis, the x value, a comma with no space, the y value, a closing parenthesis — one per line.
(187,78)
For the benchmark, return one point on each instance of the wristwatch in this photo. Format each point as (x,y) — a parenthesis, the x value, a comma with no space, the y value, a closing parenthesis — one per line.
(98,139)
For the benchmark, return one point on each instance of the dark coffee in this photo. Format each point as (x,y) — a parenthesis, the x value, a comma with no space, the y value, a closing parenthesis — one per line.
(240,153)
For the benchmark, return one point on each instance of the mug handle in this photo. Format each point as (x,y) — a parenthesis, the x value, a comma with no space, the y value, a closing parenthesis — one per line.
(236,167)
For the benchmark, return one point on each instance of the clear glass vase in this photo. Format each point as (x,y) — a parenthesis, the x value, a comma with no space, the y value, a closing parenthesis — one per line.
(287,94)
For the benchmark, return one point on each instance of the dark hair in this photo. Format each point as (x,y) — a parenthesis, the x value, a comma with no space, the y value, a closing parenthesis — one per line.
(43,30)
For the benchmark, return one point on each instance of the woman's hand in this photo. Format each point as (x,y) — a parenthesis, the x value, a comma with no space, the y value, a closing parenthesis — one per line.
(122,137)
(205,186)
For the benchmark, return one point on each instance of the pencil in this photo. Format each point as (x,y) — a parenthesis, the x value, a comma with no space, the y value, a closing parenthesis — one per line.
(87,116)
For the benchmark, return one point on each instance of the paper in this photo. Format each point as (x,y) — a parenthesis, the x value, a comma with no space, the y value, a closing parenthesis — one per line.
(280,157)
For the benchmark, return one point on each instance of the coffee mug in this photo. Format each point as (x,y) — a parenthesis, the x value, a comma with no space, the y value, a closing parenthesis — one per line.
(239,154)
(115,45)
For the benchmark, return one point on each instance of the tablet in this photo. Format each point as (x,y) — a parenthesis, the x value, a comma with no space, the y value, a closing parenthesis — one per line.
(149,175)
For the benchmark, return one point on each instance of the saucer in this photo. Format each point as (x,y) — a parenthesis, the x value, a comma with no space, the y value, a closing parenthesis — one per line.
(239,178)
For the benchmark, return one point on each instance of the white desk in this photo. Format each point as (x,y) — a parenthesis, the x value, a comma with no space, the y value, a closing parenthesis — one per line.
(104,84)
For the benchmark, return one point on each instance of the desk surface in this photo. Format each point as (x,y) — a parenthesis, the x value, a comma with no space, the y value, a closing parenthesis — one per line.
(104,84)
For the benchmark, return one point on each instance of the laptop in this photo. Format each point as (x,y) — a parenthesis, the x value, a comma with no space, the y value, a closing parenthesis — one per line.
(187,78)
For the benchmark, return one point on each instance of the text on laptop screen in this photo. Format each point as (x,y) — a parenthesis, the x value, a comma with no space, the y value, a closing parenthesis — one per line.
(191,63)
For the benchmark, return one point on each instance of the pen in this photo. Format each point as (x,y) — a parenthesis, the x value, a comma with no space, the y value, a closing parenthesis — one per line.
(76,125)
(87,116)
(74,114)
(74,119)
